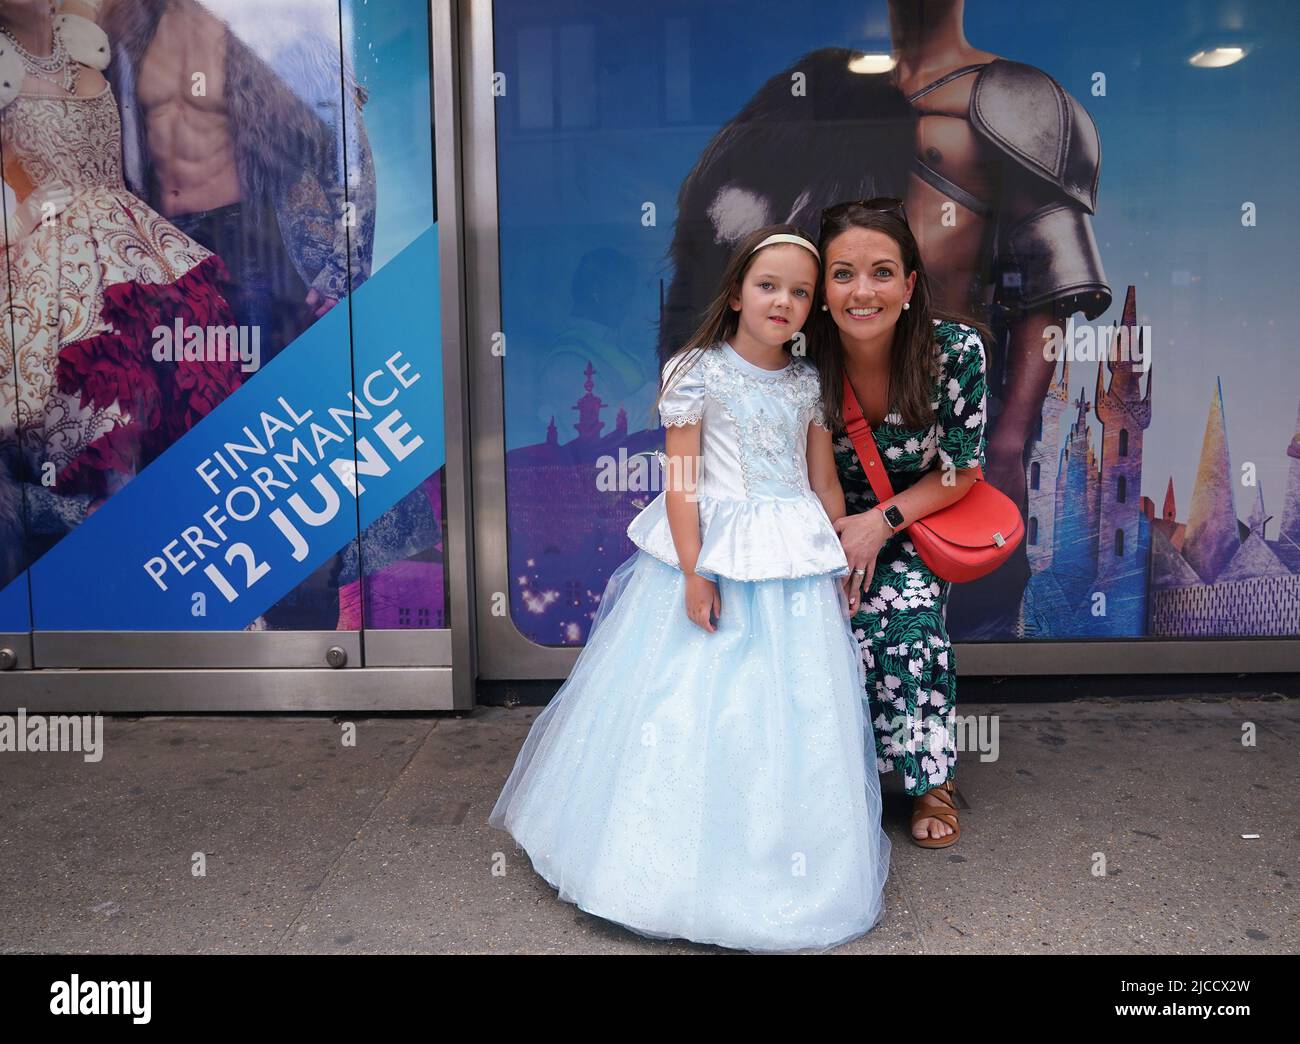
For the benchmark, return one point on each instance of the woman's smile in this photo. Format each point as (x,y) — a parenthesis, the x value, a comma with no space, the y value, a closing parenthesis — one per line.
(863,314)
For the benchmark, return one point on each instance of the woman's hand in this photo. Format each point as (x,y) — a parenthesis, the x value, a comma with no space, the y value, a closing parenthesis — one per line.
(319,303)
(701,597)
(42,205)
(862,535)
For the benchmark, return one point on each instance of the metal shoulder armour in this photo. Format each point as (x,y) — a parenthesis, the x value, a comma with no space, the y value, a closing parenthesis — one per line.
(1032,119)
(1052,256)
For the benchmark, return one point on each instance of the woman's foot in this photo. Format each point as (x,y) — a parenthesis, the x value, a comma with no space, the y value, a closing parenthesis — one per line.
(934,817)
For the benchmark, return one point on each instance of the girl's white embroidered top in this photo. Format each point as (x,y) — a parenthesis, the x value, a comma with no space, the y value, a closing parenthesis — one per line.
(759,518)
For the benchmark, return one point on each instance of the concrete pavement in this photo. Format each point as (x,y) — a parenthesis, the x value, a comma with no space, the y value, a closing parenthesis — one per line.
(308,845)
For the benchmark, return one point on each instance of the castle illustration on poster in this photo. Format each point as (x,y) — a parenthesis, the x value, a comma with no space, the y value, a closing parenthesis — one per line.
(1105,563)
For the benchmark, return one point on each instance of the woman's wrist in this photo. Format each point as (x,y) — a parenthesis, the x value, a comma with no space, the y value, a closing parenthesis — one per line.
(885,529)
(869,525)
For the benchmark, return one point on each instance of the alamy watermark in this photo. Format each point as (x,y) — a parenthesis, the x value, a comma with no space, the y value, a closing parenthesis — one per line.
(75,996)
(930,733)
(648,471)
(57,732)
(1089,342)
(182,342)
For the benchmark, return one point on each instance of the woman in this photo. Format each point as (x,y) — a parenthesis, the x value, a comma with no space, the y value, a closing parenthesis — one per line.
(90,273)
(920,379)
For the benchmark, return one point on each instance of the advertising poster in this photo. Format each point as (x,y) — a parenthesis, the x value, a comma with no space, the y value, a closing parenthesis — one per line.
(1105,185)
(220,360)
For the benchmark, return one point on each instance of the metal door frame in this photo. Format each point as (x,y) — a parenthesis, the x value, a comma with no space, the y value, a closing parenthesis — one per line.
(383,669)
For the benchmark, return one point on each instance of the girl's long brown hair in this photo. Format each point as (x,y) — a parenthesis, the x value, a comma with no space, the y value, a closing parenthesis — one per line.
(720,319)
(912,362)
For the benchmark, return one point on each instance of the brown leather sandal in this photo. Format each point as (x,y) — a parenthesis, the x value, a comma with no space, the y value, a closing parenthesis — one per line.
(945,812)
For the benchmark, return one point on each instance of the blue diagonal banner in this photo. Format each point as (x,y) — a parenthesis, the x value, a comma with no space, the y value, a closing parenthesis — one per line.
(265,488)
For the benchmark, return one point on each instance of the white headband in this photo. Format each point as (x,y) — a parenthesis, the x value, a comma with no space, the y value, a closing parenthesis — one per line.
(786,237)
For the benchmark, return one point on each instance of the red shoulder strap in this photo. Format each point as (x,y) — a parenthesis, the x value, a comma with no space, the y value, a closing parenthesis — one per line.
(855,424)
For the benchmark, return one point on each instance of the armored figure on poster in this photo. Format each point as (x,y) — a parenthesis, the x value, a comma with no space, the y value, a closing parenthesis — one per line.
(1002,188)
(999,167)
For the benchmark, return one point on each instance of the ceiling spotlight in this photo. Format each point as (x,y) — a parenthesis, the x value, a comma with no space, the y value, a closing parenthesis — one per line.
(871,63)
(1217,57)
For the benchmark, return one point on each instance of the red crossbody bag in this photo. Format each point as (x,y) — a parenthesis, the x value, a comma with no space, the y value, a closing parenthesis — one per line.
(961,542)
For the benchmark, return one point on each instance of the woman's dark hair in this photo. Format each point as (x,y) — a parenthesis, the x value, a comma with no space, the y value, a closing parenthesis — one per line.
(720,319)
(785,156)
(912,364)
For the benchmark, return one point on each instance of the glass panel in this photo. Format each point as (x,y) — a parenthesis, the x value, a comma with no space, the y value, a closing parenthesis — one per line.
(177,361)
(634,149)
(198,244)
(396,321)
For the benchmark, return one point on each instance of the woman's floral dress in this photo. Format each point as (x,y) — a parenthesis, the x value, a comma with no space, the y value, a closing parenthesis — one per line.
(910,666)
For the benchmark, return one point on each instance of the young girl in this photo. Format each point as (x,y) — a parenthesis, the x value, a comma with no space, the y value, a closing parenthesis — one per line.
(703,773)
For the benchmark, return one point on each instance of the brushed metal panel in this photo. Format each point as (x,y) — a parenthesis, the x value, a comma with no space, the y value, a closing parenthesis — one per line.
(1130,656)
(445,31)
(503,651)
(227,691)
(408,648)
(192,649)
(20,644)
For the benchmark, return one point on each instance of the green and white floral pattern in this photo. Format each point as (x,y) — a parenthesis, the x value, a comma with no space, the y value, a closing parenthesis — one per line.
(911,668)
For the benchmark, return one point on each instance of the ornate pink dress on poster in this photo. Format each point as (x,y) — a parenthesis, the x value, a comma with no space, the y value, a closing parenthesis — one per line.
(91,272)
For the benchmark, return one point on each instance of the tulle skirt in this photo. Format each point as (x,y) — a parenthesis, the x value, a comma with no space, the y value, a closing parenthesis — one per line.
(718,787)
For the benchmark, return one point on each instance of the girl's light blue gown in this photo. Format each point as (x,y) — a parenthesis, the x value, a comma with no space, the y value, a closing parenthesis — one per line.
(719,787)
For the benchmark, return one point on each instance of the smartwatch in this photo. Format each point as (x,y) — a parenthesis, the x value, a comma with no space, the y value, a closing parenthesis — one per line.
(893,516)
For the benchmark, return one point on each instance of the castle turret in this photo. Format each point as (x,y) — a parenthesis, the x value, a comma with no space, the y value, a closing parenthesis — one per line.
(1289,533)
(1124,413)
(1075,536)
(589,406)
(1043,470)
(1212,537)
(1258,517)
